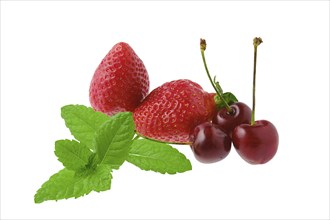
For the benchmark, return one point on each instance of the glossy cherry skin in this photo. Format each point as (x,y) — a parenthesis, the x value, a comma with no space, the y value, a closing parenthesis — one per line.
(228,121)
(256,144)
(209,143)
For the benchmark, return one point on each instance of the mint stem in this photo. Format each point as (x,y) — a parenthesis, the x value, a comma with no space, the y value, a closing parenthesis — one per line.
(256,42)
(219,89)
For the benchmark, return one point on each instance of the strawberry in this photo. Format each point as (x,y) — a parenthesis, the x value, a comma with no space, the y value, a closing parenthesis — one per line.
(120,82)
(170,112)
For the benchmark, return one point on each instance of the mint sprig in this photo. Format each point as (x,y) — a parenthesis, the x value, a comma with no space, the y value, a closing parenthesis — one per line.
(102,144)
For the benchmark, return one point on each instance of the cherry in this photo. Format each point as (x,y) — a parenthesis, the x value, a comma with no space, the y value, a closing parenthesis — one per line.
(209,143)
(241,114)
(256,142)
(229,116)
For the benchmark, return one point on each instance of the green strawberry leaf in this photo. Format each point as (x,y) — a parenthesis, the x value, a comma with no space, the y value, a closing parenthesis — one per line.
(113,139)
(228,96)
(158,157)
(68,184)
(72,154)
(83,122)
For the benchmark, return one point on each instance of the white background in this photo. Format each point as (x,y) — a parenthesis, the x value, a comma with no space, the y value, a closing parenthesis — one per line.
(49,51)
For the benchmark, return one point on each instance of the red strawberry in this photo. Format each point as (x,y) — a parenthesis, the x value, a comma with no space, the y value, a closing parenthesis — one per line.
(170,112)
(120,82)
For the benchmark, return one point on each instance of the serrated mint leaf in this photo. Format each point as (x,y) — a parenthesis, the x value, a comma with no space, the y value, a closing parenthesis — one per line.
(72,154)
(69,184)
(83,122)
(113,139)
(158,157)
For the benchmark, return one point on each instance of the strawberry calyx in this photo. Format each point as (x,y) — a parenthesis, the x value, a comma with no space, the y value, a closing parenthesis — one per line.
(229,98)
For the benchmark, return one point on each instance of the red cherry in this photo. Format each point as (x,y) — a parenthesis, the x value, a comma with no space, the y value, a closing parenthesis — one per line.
(209,143)
(256,144)
(241,114)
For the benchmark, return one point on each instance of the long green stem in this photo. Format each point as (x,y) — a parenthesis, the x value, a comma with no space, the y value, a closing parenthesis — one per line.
(256,42)
(208,74)
(218,91)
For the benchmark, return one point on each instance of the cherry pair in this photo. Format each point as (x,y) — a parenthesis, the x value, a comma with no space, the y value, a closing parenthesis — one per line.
(211,142)
(255,141)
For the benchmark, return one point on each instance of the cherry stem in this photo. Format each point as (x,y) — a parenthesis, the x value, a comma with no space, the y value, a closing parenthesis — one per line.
(215,85)
(256,42)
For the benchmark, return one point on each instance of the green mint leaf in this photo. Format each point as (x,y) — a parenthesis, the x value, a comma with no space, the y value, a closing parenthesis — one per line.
(228,96)
(72,154)
(158,157)
(83,122)
(114,138)
(68,184)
